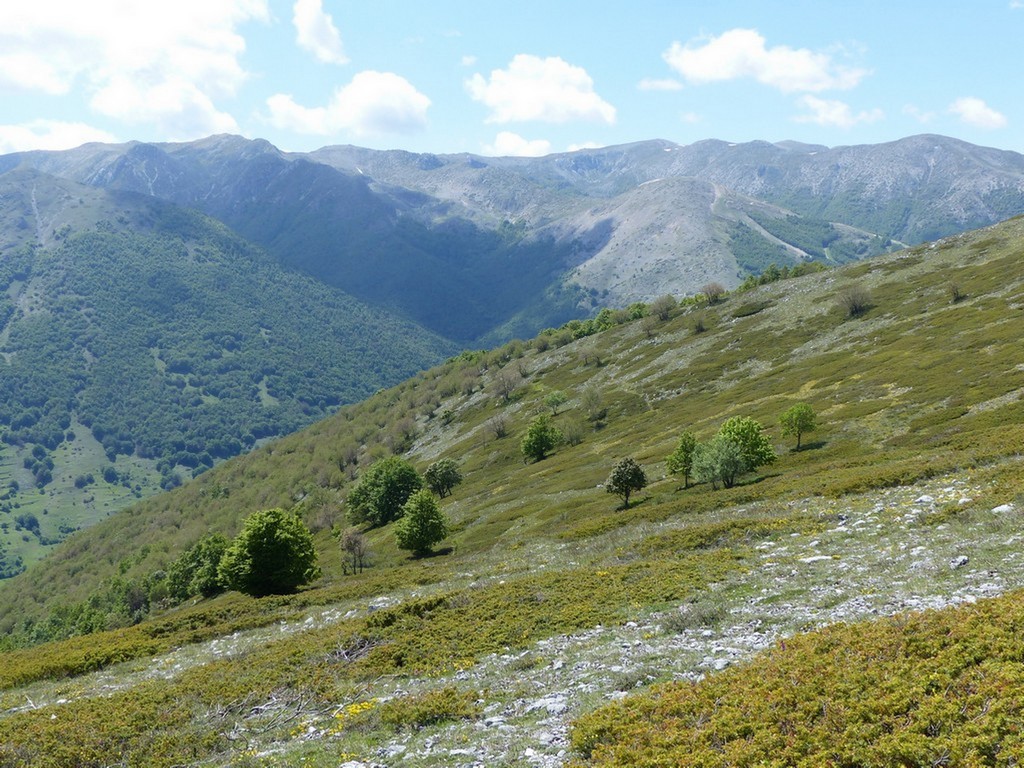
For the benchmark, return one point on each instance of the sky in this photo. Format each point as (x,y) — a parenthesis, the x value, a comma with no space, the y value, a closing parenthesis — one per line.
(492,77)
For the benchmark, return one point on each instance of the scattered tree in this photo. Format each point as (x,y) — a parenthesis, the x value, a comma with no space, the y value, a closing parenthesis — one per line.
(356,549)
(592,402)
(195,572)
(378,497)
(272,555)
(854,301)
(680,461)
(627,476)
(574,430)
(507,381)
(649,325)
(498,426)
(662,307)
(713,292)
(749,435)
(720,460)
(442,476)
(540,438)
(422,525)
(322,507)
(556,400)
(798,420)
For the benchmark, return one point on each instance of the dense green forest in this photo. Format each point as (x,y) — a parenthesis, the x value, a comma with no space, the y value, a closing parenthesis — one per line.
(183,346)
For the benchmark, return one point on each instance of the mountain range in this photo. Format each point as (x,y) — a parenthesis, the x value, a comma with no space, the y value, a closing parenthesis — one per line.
(167,306)
(480,249)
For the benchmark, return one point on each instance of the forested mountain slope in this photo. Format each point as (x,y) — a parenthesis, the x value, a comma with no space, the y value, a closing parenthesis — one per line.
(142,342)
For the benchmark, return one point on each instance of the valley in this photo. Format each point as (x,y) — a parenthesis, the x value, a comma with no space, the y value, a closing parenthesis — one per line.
(549,601)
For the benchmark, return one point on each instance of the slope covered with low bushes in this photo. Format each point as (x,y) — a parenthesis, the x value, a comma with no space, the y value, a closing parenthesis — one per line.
(918,395)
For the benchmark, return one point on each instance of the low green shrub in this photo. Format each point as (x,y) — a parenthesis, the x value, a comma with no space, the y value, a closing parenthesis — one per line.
(936,688)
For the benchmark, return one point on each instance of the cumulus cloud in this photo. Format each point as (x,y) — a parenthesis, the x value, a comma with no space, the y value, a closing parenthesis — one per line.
(49,134)
(977,113)
(162,63)
(373,103)
(316,33)
(834,113)
(584,145)
(508,144)
(666,84)
(547,90)
(743,53)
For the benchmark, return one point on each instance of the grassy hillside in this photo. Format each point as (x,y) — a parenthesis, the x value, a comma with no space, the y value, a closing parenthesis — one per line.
(548,600)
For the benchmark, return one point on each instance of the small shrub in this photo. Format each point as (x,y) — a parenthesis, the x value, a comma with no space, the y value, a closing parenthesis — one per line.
(854,301)
(498,426)
(713,292)
(662,307)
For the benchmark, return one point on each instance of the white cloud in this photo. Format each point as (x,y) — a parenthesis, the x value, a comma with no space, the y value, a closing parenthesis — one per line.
(316,33)
(548,90)
(977,113)
(584,145)
(49,134)
(468,60)
(373,103)
(834,113)
(162,63)
(666,84)
(742,53)
(508,144)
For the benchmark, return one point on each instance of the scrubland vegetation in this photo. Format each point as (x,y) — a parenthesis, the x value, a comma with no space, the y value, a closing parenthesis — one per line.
(393,657)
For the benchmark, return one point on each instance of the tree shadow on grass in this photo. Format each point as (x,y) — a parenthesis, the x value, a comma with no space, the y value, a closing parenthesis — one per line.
(434,553)
(634,503)
(816,445)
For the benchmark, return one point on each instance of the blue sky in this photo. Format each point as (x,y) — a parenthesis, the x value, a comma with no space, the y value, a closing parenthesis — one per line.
(525,77)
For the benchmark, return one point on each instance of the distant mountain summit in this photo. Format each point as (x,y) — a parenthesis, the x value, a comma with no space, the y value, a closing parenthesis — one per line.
(478,249)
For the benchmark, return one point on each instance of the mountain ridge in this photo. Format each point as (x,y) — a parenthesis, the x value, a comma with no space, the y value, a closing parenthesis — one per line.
(449,222)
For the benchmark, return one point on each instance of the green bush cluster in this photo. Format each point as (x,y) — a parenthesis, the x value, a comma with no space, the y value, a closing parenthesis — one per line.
(938,688)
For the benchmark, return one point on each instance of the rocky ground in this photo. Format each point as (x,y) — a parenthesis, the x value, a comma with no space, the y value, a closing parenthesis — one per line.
(866,556)
(877,555)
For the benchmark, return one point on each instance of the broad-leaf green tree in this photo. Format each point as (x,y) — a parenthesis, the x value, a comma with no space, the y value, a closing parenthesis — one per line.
(422,524)
(555,400)
(680,461)
(749,435)
(442,476)
(541,437)
(273,555)
(720,460)
(195,572)
(626,476)
(798,420)
(378,497)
